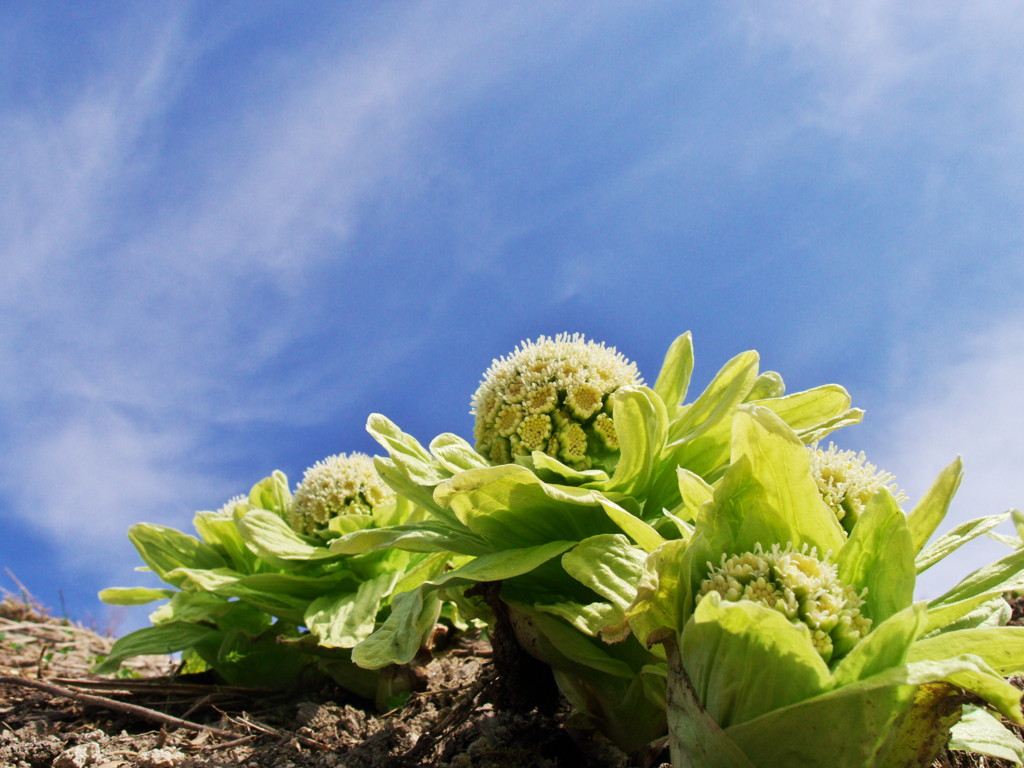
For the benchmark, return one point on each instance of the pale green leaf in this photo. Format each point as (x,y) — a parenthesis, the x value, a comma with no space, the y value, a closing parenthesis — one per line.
(1002,648)
(745,660)
(589,618)
(609,565)
(272,538)
(399,638)
(193,607)
(853,726)
(695,739)
(165,549)
(551,470)
(816,433)
(887,645)
(151,641)
(343,620)
(408,455)
(1004,575)
(769,384)
(695,493)
(982,733)
(454,454)
(510,507)
(810,408)
(221,532)
(641,424)
(956,538)
(879,556)
(727,390)
(767,496)
(642,533)
(272,494)
(930,511)
(992,612)
(674,376)
(416,537)
(660,591)
(133,595)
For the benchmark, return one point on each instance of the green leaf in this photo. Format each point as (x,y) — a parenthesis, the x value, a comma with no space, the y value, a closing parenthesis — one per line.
(674,377)
(165,549)
(221,532)
(810,408)
(407,454)
(1004,575)
(612,567)
(879,556)
(544,629)
(193,607)
(745,660)
(1002,648)
(727,390)
(642,533)
(609,565)
(993,612)
(845,419)
(887,645)
(767,496)
(272,494)
(133,595)
(399,638)
(455,454)
(343,620)
(510,507)
(853,726)
(981,733)
(149,641)
(641,424)
(416,537)
(505,564)
(661,590)
(223,581)
(273,539)
(695,739)
(551,470)
(931,510)
(956,538)
(768,385)
(695,493)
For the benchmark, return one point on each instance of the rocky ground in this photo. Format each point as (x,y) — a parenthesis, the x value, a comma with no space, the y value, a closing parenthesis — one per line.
(54,713)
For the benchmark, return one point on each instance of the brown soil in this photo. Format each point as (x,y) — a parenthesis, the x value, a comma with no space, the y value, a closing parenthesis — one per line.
(54,713)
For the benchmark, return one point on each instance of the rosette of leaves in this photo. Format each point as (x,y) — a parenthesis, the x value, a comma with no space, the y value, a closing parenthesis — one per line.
(262,603)
(791,642)
(602,462)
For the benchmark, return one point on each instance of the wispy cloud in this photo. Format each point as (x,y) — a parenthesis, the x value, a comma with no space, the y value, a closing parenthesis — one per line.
(149,302)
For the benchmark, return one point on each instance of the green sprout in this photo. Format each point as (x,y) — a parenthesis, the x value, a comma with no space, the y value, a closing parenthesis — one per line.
(552,395)
(336,486)
(847,481)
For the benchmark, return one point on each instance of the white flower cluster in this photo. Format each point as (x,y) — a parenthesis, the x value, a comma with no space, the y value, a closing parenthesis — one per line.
(800,586)
(847,481)
(552,395)
(338,485)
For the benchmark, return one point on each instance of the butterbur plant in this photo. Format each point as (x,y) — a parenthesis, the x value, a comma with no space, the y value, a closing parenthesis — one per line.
(790,641)
(571,449)
(259,598)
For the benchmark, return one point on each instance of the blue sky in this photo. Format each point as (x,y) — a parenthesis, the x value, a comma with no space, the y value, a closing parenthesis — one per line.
(230,232)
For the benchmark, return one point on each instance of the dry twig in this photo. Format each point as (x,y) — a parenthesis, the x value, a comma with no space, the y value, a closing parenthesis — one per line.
(143,713)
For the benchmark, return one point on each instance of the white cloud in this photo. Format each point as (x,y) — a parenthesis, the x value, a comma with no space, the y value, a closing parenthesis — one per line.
(969,407)
(88,480)
(127,314)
